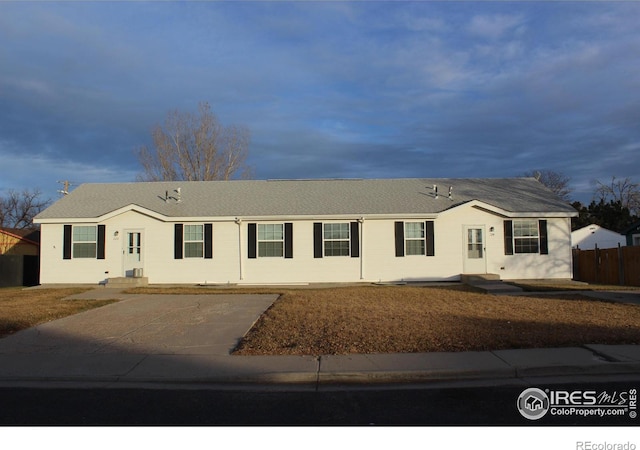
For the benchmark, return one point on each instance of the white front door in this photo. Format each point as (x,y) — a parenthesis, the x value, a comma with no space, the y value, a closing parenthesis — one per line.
(132,251)
(475,260)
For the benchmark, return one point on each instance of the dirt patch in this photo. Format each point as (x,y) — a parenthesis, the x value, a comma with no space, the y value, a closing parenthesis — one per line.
(412,319)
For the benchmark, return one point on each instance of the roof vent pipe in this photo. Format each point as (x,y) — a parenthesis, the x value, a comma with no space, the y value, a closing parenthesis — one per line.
(450,192)
(435,190)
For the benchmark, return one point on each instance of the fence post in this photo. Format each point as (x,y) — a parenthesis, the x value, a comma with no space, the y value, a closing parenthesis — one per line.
(576,265)
(596,265)
(620,266)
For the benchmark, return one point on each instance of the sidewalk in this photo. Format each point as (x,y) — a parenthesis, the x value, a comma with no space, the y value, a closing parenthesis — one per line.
(185,341)
(158,370)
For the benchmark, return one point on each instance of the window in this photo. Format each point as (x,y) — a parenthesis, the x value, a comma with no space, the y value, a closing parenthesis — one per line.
(270,240)
(85,241)
(414,238)
(525,236)
(336,239)
(193,241)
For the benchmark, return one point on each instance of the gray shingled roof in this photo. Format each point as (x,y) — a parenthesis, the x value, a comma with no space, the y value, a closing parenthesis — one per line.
(306,197)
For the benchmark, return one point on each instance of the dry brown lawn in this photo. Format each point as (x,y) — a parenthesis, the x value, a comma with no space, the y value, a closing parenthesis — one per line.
(417,319)
(20,309)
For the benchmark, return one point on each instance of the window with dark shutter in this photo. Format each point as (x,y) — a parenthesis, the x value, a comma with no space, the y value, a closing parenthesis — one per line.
(208,240)
(544,241)
(355,240)
(177,241)
(317,240)
(288,240)
(399,235)
(251,240)
(101,243)
(508,237)
(431,250)
(66,244)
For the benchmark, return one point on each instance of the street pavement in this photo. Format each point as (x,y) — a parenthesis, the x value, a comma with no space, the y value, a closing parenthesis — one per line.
(178,341)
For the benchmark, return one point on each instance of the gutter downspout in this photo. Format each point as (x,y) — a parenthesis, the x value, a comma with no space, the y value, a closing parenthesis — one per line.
(361,221)
(239,223)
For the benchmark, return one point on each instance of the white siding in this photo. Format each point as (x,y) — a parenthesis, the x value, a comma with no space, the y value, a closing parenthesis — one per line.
(588,237)
(377,260)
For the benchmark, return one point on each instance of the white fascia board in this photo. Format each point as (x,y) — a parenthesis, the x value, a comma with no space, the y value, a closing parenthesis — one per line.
(316,218)
(477,204)
(109,215)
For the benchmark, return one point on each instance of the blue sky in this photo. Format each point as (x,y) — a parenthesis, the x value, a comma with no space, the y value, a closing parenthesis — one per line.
(328,89)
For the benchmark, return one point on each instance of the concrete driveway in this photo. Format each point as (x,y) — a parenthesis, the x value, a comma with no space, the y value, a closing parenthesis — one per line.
(174,340)
(147,324)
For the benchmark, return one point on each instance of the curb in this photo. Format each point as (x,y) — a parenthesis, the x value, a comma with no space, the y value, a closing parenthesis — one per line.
(498,367)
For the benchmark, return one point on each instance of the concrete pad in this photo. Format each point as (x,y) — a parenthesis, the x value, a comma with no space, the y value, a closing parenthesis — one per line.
(225,369)
(632,297)
(409,367)
(147,324)
(617,353)
(560,361)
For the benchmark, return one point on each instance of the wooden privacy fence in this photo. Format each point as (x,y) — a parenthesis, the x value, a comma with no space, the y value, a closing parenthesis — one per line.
(619,265)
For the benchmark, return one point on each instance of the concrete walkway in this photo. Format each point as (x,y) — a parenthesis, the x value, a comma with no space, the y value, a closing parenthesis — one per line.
(172,340)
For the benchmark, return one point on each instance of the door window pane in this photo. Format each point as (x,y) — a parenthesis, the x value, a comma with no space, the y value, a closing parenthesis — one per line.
(474,243)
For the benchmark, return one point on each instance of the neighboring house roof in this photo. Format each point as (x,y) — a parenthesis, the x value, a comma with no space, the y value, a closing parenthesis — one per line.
(26,235)
(632,229)
(592,235)
(260,198)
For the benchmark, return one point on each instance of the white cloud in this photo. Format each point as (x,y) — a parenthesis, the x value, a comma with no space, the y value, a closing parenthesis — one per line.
(43,171)
(494,26)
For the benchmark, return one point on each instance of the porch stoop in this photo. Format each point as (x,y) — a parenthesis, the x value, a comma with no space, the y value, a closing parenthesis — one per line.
(490,283)
(126,282)
(479,278)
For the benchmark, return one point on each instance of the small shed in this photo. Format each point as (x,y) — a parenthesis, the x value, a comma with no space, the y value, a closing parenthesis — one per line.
(594,235)
(19,241)
(19,257)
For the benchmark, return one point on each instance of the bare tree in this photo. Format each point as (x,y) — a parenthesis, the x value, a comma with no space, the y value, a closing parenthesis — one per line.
(18,209)
(624,191)
(195,148)
(556,181)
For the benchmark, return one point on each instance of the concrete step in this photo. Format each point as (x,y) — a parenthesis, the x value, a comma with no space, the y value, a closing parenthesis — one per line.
(474,278)
(126,282)
(490,283)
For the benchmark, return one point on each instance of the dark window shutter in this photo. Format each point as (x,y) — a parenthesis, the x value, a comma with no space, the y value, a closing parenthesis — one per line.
(101,237)
(317,240)
(399,226)
(177,241)
(508,237)
(66,242)
(208,240)
(251,240)
(544,240)
(355,240)
(288,240)
(431,250)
